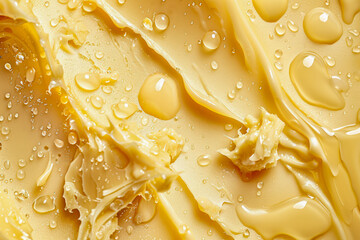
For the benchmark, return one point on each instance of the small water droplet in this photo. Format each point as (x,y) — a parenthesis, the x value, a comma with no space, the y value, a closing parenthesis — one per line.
(72,138)
(231,94)
(278,53)
(7,164)
(349,41)
(211,40)
(30,75)
(54,22)
(214,65)
(106,89)
(121,2)
(8,66)
(96,102)
(240,198)
(228,127)
(129,229)
(292,26)
(20,174)
(58,143)
(22,163)
(203,160)
(356,49)
(330,61)
(89,6)
(280,29)
(278,66)
(161,21)
(295,6)
(99,55)
(52,224)
(124,109)
(5,131)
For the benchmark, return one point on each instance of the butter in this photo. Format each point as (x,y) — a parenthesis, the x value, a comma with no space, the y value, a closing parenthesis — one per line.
(220,120)
(257,148)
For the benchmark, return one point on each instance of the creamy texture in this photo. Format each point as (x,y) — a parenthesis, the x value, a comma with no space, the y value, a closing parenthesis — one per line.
(179,119)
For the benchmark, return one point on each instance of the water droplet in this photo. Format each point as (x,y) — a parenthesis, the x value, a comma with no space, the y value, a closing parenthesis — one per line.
(356,49)
(322,26)
(148,24)
(330,61)
(58,143)
(106,89)
(99,55)
(52,224)
(211,40)
(5,131)
(214,65)
(231,94)
(240,198)
(251,15)
(7,164)
(72,138)
(88,81)
(260,185)
(159,96)
(121,2)
(146,210)
(129,229)
(72,4)
(271,11)
(203,160)
(280,29)
(278,66)
(8,66)
(44,204)
(128,87)
(278,53)
(20,174)
(349,41)
(22,163)
(292,26)
(189,48)
(308,73)
(30,75)
(7,95)
(229,127)
(295,6)
(124,109)
(161,21)
(96,102)
(89,6)
(54,22)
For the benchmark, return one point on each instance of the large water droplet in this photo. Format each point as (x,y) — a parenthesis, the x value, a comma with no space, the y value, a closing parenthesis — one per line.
(88,81)
(159,97)
(322,26)
(44,204)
